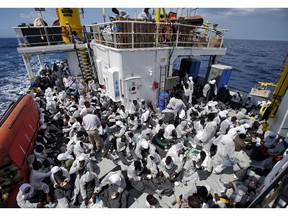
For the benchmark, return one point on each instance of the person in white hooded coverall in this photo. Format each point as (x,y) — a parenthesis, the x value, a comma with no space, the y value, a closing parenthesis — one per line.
(113,178)
(177,152)
(26,195)
(224,123)
(176,104)
(224,154)
(210,90)
(182,129)
(89,182)
(209,131)
(60,179)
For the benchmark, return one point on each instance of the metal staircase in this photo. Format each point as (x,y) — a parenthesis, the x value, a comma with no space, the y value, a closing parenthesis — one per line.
(85,59)
(84,64)
(162,79)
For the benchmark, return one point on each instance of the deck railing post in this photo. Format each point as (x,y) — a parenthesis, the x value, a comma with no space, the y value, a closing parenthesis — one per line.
(132,32)
(157,34)
(177,35)
(46,34)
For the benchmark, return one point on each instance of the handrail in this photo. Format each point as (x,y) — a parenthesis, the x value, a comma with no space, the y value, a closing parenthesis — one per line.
(123,34)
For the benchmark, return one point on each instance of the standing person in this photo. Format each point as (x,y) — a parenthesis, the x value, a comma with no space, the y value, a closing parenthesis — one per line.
(225,153)
(145,14)
(91,123)
(210,90)
(209,133)
(188,90)
(60,179)
(89,183)
(120,13)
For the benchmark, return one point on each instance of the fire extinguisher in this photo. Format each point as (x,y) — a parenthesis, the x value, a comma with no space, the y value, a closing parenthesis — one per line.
(155,85)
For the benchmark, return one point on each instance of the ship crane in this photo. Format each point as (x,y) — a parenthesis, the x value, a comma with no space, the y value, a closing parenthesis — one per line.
(276,113)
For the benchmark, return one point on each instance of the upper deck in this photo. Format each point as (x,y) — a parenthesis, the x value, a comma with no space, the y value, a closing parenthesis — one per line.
(123,35)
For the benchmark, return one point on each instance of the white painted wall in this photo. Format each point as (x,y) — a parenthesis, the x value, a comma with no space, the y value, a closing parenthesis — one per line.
(139,68)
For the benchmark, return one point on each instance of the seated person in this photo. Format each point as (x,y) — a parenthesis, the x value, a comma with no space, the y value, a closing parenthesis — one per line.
(33,195)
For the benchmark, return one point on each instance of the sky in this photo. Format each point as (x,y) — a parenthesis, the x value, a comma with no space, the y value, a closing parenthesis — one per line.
(244,19)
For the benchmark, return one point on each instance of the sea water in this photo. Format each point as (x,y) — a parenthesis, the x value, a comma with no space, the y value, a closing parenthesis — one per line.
(252,61)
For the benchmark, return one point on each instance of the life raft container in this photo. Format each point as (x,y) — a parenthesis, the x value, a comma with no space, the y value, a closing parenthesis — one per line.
(18,131)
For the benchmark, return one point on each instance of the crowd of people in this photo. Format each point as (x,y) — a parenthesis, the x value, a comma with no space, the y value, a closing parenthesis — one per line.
(193,138)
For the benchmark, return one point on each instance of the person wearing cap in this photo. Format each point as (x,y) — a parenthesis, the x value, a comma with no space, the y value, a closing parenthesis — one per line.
(270,139)
(33,195)
(224,124)
(91,124)
(115,178)
(89,182)
(79,167)
(60,179)
(210,90)
(145,14)
(121,129)
(143,149)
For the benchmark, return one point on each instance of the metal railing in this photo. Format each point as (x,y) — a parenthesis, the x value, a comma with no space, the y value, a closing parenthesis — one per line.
(28,36)
(124,34)
(136,34)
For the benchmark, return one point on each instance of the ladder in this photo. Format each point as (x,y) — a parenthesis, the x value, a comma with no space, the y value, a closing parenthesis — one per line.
(85,59)
(162,79)
(84,64)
